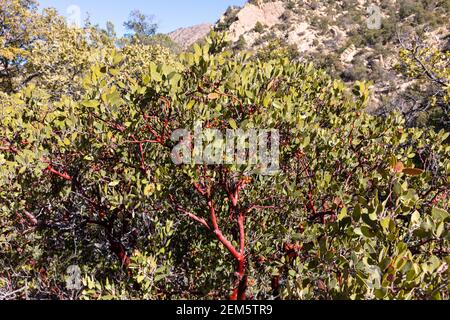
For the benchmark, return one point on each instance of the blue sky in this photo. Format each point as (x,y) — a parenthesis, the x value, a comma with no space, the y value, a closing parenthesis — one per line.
(169,14)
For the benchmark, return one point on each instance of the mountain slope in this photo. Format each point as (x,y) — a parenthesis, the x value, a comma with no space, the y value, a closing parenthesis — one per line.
(353,40)
(185,37)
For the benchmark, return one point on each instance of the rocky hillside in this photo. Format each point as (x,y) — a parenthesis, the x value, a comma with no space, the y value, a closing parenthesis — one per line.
(353,39)
(321,25)
(185,37)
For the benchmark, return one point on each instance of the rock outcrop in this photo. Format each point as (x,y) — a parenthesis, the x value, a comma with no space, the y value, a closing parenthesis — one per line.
(267,14)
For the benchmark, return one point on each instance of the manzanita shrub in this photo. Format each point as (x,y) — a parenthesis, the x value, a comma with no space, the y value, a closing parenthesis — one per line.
(429,69)
(358,208)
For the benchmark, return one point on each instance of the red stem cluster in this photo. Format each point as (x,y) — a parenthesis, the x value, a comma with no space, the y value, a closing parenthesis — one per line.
(157,138)
(239,293)
(238,214)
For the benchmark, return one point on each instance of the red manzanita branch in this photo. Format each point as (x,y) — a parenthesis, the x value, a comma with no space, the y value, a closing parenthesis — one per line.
(234,197)
(112,125)
(200,190)
(239,293)
(234,98)
(31,218)
(438,197)
(219,233)
(158,138)
(119,249)
(9,149)
(311,204)
(65,176)
(241,223)
(161,138)
(118,127)
(194,217)
(142,141)
(141,151)
(260,208)
(166,122)
(152,131)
